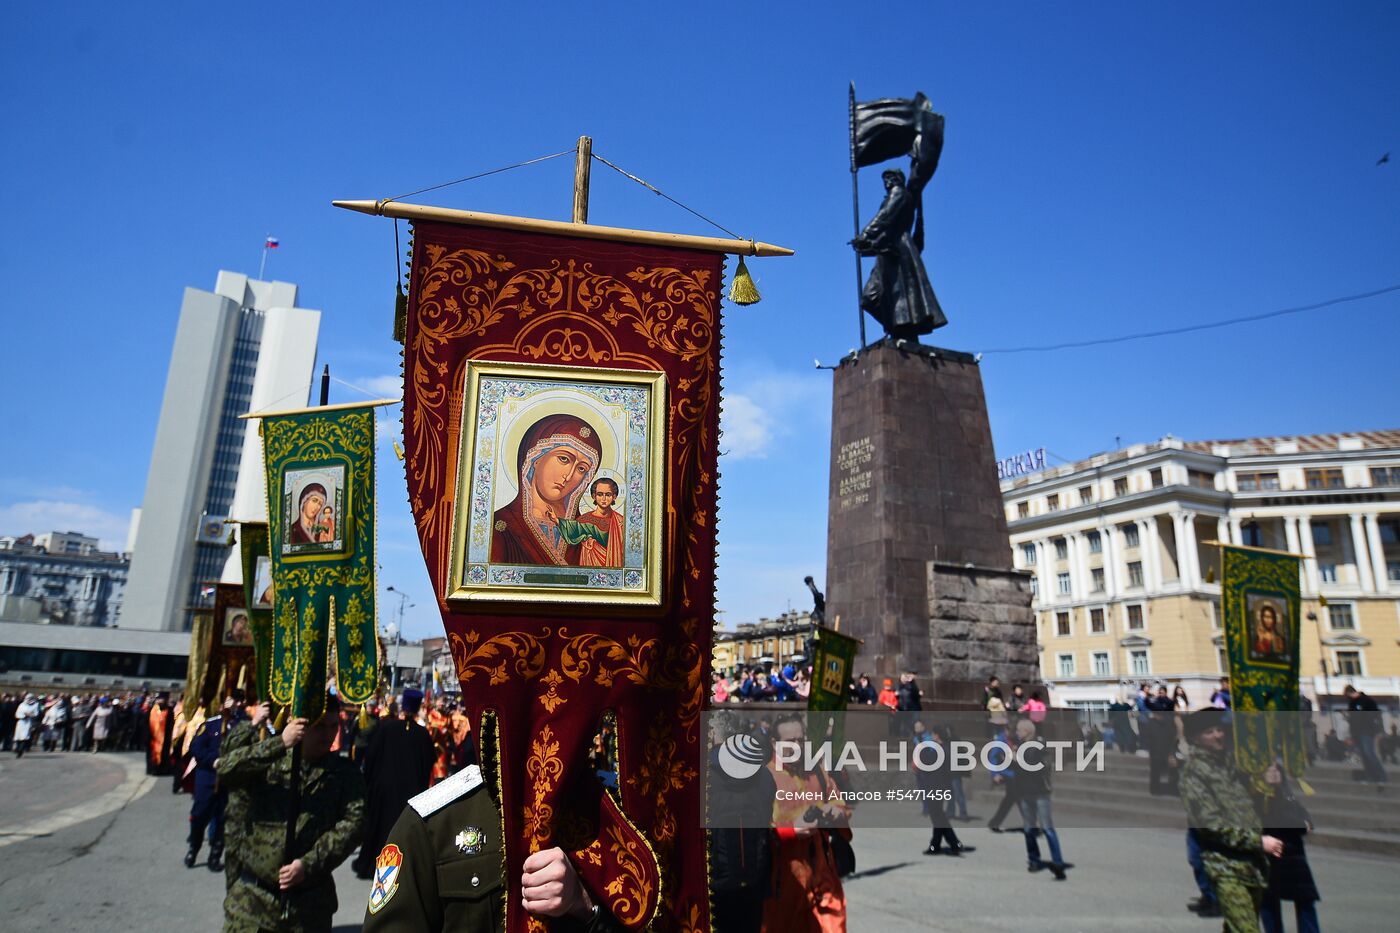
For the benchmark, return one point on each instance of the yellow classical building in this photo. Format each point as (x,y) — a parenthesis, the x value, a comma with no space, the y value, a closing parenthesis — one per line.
(1126,580)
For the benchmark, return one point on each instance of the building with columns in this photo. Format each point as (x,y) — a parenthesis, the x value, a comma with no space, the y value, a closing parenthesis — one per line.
(1126,573)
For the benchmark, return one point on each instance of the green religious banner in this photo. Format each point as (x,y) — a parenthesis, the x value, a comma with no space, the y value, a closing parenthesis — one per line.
(1260,603)
(257,596)
(321,541)
(833,657)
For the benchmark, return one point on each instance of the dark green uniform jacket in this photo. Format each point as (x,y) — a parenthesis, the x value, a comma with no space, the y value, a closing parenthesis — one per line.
(442,869)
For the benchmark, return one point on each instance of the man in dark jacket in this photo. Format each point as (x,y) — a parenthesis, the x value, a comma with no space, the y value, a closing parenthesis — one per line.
(1364,719)
(207,811)
(740,806)
(398,765)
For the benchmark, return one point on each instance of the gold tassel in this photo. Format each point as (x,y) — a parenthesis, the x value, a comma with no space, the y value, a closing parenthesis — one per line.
(1322,601)
(364,716)
(400,314)
(1306,788)
(398,449)
(742,291)
(281,720)
(242,677)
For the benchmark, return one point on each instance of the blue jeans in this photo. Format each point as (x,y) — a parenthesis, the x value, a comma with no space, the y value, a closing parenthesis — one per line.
(1036,818)
(1366,746)
(959,799)
(1304,912)
(1198,865)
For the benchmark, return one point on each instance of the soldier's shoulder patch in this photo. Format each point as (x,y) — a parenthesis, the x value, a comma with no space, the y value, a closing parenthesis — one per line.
(444,792)
(386,877)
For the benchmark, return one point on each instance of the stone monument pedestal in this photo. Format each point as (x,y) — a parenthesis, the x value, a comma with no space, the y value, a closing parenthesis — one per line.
(918,559)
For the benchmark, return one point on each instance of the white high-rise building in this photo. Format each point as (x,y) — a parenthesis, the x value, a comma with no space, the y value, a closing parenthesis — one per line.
(245,346)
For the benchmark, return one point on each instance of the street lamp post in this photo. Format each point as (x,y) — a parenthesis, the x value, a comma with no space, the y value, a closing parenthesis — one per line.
(397,635)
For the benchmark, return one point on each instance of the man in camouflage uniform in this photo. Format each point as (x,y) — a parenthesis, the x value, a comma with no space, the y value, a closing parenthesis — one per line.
(241,734)
(271,893)
(1219,809)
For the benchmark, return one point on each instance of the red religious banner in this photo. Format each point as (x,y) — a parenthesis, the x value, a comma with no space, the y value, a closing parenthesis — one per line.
(561,418)
(230,648)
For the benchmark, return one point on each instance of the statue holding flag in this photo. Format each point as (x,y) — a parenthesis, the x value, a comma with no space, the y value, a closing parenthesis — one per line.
(898,293)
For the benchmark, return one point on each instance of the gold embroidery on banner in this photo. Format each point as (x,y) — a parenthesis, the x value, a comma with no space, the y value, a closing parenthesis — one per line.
(674,311)
(631,891)
(542,770)
(520,651)
(552,700)
(662,771)
(690,919)
(584,653)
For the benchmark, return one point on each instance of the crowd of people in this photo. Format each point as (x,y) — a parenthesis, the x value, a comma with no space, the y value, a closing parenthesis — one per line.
(362,766)
(75,722)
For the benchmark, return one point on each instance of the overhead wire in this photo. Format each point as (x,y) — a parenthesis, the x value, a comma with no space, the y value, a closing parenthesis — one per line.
(1191,328)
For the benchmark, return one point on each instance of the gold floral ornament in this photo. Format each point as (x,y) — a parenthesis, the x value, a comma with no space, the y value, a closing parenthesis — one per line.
(551,699)
(521,652)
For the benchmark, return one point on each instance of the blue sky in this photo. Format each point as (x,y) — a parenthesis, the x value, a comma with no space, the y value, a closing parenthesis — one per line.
(1108,169)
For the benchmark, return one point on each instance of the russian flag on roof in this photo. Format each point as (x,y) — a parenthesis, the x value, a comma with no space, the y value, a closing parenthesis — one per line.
(271,242)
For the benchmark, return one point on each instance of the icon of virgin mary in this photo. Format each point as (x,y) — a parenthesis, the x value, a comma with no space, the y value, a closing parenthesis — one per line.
(557,459)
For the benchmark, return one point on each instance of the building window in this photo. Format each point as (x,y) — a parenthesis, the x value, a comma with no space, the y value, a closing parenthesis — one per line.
(1392,570)
(1253,535)
(1062,581)
(1135,573)
(1349,664)
(1324,479)
(1061,549)
(1120,486)
(1156,475)
(1101,666)
(1064,664)
(1141,665)
(1390,531)
(1095,542)
(1385,476)
(1327,572)
(1340,617)
(1023,509)
(1130,535)
(1062,626)
(1135,617)
(1028,554)
(1052,502)
(1254,482)
(1096,578)
(1035,587)
(1215,615)
(1200,478)
(1086,495)
(1322,535)
(1222,664)
(1096,622)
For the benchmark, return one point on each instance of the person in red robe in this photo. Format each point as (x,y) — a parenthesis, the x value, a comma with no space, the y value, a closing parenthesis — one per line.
(158,749)
(609,552)
(440,729)
(809,897)
(557,457)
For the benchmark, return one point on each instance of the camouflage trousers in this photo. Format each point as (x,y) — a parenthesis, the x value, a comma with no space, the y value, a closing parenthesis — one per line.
(254,908)
(1239,902)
